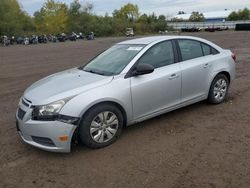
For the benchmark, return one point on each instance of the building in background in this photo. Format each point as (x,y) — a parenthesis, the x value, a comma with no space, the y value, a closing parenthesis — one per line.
(217,16)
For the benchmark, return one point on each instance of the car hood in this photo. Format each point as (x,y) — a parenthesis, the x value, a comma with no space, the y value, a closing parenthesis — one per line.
(62,85)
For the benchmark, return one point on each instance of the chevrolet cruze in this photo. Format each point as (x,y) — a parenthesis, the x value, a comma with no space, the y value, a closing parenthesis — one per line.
(130,82)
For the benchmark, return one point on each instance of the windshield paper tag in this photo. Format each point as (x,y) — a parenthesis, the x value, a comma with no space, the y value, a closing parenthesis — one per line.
(134,48)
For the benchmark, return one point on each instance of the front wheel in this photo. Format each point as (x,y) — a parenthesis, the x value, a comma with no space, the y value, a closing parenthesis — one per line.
(218,89)
(101,126)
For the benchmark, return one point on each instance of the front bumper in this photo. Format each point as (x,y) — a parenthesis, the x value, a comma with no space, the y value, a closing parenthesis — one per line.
(44,134)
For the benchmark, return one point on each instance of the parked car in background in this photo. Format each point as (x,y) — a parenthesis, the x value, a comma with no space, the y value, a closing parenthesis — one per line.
(163,32)
(210,29)
(190,29)
(213,29)
(130,82)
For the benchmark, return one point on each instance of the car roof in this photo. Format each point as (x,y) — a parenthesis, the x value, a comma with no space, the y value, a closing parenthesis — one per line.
(148,40)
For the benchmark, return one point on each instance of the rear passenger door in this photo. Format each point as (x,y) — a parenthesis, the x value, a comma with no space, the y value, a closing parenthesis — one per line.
(194,68)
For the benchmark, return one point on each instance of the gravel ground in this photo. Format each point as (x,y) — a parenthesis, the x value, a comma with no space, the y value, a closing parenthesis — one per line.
(201,145)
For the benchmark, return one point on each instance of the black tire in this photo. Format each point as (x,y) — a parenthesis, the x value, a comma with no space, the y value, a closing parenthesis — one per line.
(211,96)
(84,129)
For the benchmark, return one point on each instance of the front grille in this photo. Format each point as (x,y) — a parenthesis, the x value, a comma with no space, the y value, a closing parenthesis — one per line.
(20,113)
(43,141)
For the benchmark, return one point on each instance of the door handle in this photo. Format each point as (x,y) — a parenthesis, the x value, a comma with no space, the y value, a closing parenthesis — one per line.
(173,76)
(206,65)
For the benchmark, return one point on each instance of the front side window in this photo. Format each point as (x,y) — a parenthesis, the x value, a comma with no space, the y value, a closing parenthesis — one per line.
(159,55)
(190,49)
(113,60)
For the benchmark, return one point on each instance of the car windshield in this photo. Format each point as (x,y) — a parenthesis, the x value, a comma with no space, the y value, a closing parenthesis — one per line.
(113,60)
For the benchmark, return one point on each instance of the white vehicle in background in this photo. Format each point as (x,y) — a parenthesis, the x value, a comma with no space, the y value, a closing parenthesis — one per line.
(163,32)
(130,32)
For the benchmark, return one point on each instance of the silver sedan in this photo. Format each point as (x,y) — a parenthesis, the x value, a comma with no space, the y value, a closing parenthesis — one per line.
(130,82)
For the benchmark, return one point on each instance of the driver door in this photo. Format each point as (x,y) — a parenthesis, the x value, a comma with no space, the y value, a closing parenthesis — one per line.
(161,89)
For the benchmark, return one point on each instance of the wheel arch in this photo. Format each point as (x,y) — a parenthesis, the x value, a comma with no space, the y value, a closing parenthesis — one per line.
(119,106)
(226,74)
(223,72)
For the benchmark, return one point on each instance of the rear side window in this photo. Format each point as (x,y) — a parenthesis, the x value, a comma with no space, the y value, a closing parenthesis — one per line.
(159,55)
(190,49)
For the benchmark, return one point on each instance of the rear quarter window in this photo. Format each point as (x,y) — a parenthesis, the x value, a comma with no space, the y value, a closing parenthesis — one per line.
(214,51)
(208,50)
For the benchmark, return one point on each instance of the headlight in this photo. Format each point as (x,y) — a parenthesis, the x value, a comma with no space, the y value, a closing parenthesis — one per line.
(48,112)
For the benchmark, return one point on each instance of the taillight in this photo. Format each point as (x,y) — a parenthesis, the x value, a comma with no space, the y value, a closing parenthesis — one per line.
(233,56)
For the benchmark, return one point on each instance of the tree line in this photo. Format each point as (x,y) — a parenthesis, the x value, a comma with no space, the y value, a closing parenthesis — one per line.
(13,20)
(56,17)
(239,15)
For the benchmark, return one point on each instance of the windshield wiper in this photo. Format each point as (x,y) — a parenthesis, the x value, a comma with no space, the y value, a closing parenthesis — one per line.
(94,72)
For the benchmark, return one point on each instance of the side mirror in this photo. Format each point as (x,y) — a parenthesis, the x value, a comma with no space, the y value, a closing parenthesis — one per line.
(143,69)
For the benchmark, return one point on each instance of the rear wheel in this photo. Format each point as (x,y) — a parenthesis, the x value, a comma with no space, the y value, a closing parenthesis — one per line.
(218,89)
(101,126)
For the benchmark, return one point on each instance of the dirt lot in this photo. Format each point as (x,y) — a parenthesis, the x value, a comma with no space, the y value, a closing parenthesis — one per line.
(199,146)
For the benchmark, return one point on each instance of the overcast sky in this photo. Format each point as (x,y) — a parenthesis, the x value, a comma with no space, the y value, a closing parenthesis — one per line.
(165,7)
